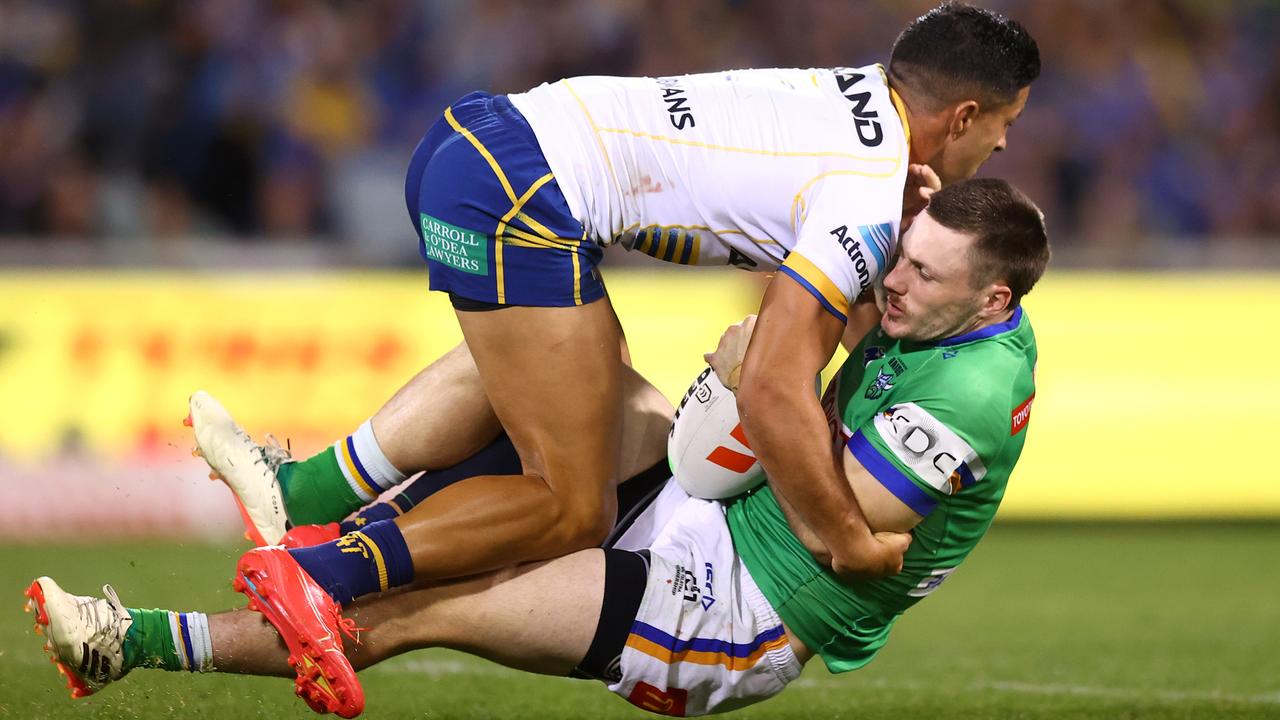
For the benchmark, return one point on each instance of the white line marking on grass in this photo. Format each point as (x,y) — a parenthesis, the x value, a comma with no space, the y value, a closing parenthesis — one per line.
(1268,698)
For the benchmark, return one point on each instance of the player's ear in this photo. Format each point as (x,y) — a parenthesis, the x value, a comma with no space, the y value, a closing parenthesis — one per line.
(996,299)
(961,117)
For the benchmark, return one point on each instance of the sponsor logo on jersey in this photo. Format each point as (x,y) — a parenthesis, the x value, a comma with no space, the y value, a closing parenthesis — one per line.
(879,240)
(685,584)
(864,121)
(1020,416)
(708,593)
(834,424)
(930,449)
(672,701)
(853,249)
(948,354)
(931,582)
(871,354)
(676,99)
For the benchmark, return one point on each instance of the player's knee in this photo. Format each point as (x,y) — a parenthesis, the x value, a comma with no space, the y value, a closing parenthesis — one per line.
(582,525)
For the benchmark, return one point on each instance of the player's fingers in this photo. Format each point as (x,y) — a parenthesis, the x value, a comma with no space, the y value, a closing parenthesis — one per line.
(931,178)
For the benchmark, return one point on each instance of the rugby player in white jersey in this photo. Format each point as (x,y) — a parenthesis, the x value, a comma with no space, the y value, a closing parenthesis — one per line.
(705,606)
(514,197)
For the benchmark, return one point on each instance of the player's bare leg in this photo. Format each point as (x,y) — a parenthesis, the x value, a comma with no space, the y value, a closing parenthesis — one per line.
(439,417)
(442,414)
(520,617)
(440,421)
(554,378)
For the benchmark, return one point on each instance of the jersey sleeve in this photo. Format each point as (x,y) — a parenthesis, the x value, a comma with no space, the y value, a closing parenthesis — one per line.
(846,239)
(920,456)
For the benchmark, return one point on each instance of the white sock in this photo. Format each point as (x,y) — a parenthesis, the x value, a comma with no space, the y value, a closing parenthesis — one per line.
(366,467)
(192,641)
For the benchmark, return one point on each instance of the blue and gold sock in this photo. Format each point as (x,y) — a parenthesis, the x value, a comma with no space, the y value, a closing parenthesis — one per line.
(374,559)
(168,640)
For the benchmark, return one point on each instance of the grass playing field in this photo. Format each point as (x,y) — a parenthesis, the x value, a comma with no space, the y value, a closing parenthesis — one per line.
(1046,621)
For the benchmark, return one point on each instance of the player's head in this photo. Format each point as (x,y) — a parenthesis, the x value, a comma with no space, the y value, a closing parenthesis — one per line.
(965,74)
(966,261)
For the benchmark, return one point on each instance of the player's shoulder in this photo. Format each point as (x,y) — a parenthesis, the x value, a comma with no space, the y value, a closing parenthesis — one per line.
(982,370)
(997,349)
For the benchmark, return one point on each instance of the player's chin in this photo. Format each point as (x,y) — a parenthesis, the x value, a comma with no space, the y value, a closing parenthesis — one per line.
(894,327)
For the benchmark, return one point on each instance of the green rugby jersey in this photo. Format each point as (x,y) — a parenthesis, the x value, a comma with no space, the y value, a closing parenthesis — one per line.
(938,424)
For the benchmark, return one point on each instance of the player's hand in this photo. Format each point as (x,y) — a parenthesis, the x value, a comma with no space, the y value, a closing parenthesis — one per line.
(922,183)
(726,361)
(880,556)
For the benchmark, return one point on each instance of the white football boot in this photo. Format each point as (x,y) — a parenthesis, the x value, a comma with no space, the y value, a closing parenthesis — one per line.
(248,468)
(84,635)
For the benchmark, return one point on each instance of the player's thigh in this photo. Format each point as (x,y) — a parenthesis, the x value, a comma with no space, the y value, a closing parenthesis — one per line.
(554,378)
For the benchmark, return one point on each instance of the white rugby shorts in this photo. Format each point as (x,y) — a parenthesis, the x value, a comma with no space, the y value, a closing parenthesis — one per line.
(705,640)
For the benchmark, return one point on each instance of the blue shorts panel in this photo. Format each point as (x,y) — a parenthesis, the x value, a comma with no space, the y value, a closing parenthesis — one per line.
(492,223)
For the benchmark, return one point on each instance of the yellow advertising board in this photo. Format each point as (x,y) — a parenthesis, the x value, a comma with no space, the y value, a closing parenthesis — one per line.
(1135,415)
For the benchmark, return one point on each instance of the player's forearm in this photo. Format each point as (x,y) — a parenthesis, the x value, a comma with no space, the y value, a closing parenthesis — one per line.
(789,434)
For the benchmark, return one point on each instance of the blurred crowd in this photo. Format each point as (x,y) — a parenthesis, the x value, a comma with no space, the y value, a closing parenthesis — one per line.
(292,120)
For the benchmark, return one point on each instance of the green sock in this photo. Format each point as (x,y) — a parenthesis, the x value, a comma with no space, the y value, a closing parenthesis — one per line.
(315,490)
(168,641)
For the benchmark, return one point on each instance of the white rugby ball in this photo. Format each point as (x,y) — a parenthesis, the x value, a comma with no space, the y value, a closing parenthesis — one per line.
(707,449)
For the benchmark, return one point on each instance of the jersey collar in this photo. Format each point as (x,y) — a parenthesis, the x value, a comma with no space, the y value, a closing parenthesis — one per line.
(985,332)
(899,106)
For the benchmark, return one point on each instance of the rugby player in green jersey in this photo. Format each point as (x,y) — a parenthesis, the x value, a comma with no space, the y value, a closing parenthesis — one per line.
(713,605)
(804,171)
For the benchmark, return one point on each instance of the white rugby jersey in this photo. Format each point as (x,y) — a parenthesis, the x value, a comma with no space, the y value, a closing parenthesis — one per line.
(790,168)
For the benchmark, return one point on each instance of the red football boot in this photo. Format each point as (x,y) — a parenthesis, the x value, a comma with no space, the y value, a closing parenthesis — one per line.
(309,621)
(300,536)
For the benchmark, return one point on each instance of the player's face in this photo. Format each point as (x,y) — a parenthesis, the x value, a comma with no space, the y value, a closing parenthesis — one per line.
(985,134)
(930,296)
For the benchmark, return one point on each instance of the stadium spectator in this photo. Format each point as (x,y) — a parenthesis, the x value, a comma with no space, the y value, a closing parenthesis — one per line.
(175,118)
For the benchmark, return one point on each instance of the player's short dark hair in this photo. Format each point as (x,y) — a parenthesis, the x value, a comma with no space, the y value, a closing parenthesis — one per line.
(958,52)
(1011,244)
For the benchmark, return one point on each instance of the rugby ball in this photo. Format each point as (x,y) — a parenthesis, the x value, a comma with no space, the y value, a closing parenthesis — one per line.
(708,451)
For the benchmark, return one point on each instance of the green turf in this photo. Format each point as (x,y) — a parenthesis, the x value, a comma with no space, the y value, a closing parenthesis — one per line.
(1046,621)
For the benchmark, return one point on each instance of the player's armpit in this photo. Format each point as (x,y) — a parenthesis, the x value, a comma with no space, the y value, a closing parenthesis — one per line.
(864,316)
(883,510)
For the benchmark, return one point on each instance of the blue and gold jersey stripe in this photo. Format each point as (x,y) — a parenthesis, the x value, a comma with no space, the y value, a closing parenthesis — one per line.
(669,244)
(803,271)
